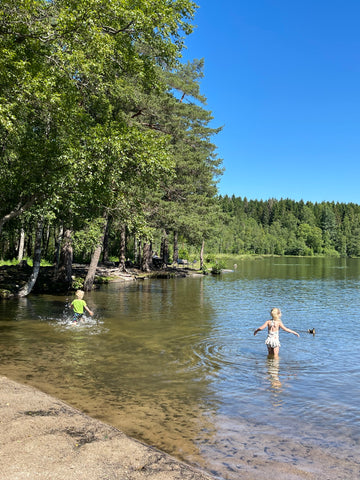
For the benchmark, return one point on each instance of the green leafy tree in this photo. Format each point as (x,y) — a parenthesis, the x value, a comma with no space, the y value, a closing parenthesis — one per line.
(70,72)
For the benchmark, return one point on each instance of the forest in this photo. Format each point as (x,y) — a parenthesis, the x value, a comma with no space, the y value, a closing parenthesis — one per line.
(106,144)
(288,227)
(107,150)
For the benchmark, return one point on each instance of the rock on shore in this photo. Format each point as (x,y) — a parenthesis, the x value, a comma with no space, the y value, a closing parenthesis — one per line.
(43,438)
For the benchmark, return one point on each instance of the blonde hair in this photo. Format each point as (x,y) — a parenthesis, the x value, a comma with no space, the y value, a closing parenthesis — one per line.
(79,294)
(275,313)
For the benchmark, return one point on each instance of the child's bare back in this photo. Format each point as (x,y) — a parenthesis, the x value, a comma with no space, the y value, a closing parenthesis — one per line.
(272,341)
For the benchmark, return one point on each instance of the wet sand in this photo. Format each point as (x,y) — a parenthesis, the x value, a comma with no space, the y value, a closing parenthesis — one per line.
(44,438)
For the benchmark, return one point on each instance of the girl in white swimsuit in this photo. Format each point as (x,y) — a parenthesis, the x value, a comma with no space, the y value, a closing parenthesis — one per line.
(272,341)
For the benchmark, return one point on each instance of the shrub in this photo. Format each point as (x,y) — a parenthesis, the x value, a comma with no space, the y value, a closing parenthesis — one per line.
(217,267)
(77,283)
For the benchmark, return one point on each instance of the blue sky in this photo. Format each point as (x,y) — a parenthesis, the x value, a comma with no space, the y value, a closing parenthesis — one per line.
(283,78)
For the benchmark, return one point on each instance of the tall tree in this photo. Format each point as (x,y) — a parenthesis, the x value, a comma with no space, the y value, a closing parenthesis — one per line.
(70,74)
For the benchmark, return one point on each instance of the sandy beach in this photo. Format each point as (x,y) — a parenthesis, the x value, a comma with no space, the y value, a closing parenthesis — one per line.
(44,438)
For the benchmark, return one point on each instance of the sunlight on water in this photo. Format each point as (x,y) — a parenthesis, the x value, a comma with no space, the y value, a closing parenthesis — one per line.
(175,363)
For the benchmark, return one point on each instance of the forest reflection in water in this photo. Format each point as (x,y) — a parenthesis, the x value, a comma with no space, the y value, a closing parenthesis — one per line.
(175,364)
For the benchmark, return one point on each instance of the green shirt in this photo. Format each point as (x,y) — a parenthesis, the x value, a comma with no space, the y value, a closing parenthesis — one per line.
(78,305)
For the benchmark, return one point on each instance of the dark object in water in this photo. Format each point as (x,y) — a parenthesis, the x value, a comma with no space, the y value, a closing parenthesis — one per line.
(311,330)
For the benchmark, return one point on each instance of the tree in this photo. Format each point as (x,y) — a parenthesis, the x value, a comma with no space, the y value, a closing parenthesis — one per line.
(186,203)
(312,237)
(26,289)
(72,73)
(66,67)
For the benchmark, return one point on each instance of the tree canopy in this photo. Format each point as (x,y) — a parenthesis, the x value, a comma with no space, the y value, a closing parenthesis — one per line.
(99,119)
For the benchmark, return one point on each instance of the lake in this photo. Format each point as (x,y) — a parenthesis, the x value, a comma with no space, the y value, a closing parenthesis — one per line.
(174,363)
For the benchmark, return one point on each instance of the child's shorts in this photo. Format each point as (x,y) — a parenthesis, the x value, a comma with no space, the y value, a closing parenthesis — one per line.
(77,316)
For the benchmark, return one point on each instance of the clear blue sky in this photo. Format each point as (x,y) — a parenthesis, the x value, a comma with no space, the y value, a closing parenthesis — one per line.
(283,78)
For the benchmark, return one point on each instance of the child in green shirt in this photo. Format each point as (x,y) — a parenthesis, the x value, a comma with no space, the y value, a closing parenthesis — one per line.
(78,306)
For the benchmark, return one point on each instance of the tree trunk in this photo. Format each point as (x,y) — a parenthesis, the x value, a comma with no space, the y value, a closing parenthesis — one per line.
(165,249)
(64,272)
(122,252)
(26,289)
(202,254)
(89,279)
(105,255)
(176,248)
(57,249)
(28,245)
(21,245)
(137,251)
(146,258)
(46,241)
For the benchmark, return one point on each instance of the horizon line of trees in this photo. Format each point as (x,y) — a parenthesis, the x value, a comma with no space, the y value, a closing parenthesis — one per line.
(288,227)
(242,226)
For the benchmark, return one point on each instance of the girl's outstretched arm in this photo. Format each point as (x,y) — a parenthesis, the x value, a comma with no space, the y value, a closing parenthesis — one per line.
(288,329)
(262,327)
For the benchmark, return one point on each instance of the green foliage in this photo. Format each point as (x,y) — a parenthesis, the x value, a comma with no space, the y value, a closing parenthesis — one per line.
(102,280)
(286,227)
(8,262)
(98,118)
(29,261)
(87,239)
(204,270)
(73,76)
(184,253)
(77,283)
(5,293)
(217,267)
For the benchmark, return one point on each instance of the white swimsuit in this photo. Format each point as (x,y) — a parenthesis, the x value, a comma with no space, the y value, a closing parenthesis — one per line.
(272,339)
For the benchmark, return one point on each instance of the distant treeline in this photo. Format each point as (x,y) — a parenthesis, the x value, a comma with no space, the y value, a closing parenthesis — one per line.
(288,227)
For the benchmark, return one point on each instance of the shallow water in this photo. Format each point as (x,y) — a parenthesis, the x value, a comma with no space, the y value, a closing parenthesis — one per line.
(175,364)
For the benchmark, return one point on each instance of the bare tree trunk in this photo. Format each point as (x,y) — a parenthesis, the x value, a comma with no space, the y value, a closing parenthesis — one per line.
(176,248)
(162,248)
(21,245)
(165,249)
(26,289)
(46,241)
(28,245)
(64,272)
(105,255)
(57,249)
(122,256)
(202,254)
(89,279)
(136,251)
(146,258)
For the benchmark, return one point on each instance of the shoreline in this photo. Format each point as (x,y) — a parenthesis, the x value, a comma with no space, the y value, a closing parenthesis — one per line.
(11,277)
(42,437)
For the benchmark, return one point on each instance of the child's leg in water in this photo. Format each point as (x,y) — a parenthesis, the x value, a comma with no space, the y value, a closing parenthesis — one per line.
(273,351)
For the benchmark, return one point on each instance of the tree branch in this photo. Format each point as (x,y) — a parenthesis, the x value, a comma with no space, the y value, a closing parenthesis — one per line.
(112,31)
(16,212)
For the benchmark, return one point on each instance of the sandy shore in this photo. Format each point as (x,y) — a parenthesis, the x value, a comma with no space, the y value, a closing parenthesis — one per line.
(44,438)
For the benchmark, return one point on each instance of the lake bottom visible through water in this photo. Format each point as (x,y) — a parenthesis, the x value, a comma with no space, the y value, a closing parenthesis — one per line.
(176,365)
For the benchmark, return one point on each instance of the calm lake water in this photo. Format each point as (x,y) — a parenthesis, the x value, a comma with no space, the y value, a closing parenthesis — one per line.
(175,364)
